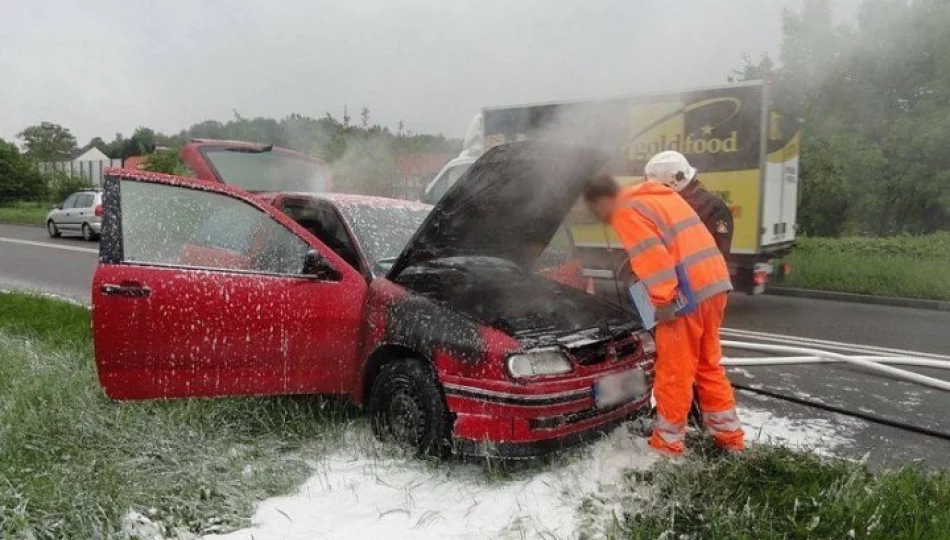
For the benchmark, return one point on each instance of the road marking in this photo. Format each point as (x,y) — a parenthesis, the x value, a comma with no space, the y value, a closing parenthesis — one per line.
(48,245)
(827,344)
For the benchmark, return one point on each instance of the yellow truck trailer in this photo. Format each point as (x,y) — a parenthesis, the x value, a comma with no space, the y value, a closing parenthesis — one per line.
(745,147)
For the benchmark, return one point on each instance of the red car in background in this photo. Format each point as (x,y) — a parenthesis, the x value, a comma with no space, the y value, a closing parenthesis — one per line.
(255,167)
(430,319)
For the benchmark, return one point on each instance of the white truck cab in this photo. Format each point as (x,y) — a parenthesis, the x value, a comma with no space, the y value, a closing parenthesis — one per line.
(472,148)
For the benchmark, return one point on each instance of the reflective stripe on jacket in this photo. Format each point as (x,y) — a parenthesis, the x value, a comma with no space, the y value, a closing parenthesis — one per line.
(660,230)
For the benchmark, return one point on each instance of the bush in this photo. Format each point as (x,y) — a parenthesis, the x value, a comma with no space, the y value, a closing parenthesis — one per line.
(902,266)
(19,179)
(61,185)
(166,162)
(932,247)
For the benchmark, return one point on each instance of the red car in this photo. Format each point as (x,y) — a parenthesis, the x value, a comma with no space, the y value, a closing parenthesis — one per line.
(429,319)
(255,167)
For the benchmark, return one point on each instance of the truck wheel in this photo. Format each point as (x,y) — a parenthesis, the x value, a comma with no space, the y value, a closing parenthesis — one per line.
(52,230)
(406,407)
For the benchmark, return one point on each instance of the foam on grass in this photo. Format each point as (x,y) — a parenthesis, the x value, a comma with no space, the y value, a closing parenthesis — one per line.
(353,494)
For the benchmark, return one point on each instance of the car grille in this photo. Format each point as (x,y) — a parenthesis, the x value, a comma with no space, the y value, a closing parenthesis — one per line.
(554,422)
(597,353)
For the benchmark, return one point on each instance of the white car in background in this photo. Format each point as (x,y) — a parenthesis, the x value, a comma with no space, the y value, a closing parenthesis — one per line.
(80,213)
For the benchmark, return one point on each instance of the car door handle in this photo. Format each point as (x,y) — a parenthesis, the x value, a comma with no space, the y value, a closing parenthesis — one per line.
(134,290)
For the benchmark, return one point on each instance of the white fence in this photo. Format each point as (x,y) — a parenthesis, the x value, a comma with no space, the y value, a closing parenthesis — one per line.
(90,170)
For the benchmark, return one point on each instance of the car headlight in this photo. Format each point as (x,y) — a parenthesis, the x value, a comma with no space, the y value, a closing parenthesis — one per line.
(538,363)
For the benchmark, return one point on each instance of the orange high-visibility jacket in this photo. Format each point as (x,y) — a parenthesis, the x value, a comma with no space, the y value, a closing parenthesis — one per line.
(660,230)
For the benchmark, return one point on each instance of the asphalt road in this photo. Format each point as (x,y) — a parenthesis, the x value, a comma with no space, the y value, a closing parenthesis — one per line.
(29,259)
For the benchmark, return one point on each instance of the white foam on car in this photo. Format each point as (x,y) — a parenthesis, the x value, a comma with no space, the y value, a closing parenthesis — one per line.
(360,496)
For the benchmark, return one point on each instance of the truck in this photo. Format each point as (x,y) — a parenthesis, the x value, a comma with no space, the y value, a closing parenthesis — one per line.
(743,141)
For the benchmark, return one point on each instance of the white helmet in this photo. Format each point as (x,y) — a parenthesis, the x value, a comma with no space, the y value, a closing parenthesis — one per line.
(670,168)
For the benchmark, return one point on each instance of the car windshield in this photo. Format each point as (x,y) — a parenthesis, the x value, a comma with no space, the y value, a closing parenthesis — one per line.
(269,170)
(384,229)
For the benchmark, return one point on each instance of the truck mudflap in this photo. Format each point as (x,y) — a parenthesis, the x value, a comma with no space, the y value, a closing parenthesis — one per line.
(760,277)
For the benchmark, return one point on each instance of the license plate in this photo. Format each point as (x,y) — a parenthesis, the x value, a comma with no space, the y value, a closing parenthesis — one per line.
(617,388)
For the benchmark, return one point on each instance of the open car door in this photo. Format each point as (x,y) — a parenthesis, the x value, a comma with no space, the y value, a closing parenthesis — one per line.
(202,290)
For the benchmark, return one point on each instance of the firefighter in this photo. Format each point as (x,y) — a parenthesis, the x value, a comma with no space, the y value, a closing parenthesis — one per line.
(660,230)
(672,169)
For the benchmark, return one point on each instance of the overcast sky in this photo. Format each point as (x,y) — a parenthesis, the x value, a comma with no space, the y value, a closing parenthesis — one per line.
(106,66)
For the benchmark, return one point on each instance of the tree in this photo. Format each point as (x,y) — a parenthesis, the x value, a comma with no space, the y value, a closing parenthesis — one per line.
(96,142)
(19,179)
(764,69)
(875,101)
(48,142)
(364,116)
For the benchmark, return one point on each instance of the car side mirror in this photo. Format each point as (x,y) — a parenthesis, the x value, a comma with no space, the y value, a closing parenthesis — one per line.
(316,265)
(59,206)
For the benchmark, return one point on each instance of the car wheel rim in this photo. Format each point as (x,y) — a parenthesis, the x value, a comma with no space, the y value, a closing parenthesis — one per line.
(405,419)
(51,228)
(85,232)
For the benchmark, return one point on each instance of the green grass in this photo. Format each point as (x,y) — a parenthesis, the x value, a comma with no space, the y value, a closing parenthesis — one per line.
(773,493)
(25,213)
(907,266)
(72,462)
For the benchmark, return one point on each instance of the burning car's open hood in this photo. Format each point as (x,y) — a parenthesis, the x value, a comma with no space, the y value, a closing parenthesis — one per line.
(508,204)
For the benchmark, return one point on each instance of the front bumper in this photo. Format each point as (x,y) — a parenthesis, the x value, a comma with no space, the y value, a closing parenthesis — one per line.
(491,423)
(542,447)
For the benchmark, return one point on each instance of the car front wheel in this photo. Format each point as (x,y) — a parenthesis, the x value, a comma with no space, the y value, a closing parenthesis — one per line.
(52,230)
(407,408)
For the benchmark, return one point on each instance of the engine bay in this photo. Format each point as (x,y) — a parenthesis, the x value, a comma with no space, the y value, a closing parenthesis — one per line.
(500,294)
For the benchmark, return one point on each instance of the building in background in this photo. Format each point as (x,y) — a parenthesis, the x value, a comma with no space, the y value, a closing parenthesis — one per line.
(90,164)
(413,172)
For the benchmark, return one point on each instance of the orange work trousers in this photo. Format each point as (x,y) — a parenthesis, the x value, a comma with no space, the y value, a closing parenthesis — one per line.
(688,354)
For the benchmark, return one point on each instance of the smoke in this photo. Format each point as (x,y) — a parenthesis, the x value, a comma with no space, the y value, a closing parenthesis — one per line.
(367,167)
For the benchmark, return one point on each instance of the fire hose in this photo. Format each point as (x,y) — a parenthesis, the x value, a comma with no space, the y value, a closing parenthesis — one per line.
(876,364)
(901,374)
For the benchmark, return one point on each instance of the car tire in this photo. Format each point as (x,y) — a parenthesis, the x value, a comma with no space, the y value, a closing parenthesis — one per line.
(87,233)
(52,230)
(406,407)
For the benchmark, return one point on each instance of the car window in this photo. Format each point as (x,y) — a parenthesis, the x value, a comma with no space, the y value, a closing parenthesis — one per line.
(383,230)
(322,221)
(168,225)
(446,181)
(70,201)
(84,200)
